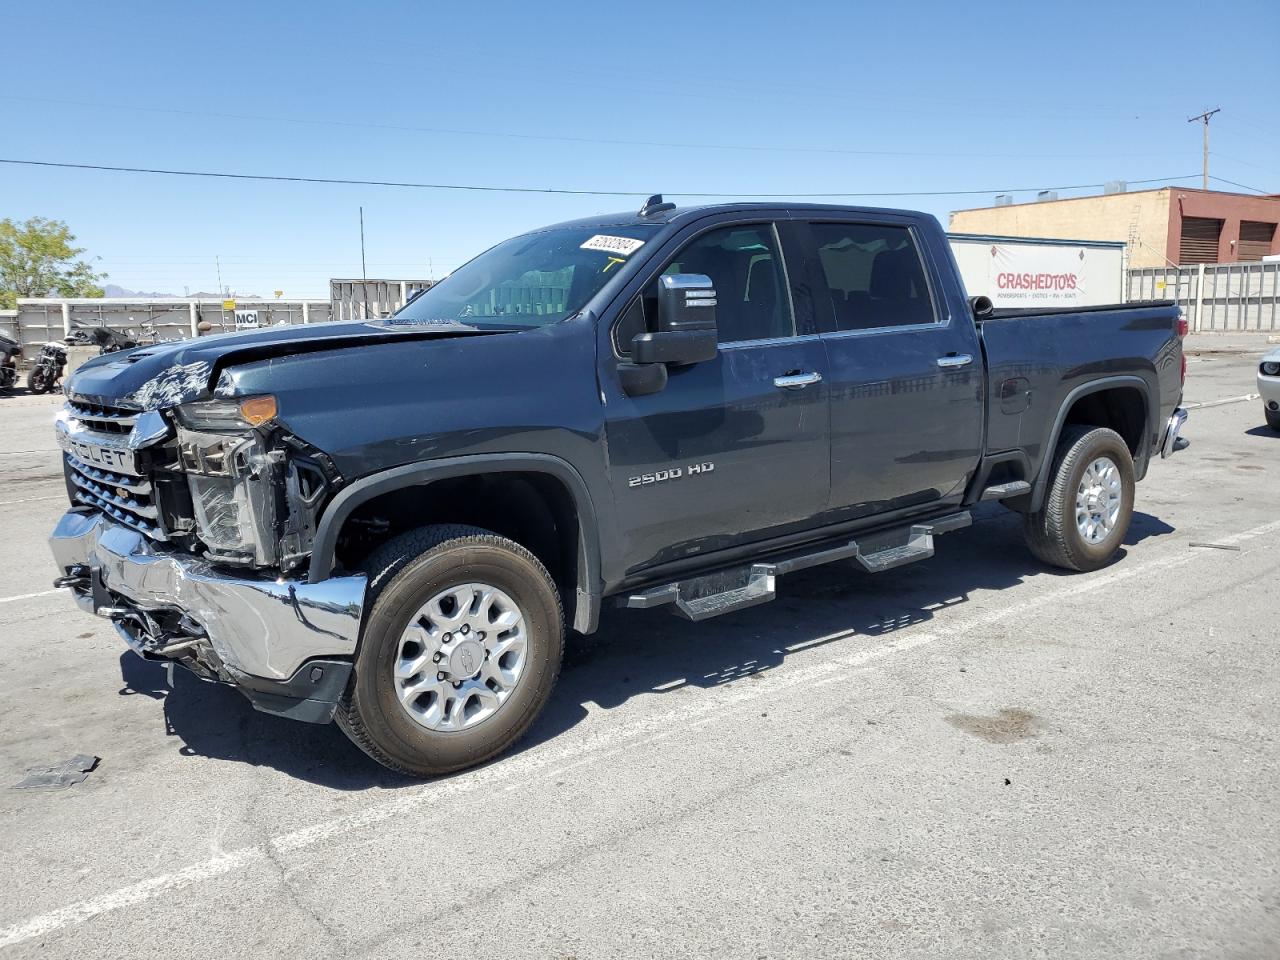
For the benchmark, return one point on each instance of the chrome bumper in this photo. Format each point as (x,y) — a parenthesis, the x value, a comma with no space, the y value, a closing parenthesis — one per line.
(265,628)
(1169,442)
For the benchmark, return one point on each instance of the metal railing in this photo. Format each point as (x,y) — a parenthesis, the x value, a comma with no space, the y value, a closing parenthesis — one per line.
(371,299)
(38,321)
(1216,297)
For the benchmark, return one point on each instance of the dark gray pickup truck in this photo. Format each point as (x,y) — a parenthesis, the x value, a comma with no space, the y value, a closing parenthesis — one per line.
(389,523)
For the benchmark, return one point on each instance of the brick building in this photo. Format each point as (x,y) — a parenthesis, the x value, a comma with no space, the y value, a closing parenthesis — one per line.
(1172,225)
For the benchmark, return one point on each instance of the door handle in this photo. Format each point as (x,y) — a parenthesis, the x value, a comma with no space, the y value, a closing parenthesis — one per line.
(797,381)
(955,360)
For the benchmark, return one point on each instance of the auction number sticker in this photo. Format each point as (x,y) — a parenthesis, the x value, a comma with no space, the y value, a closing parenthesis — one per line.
(625,246)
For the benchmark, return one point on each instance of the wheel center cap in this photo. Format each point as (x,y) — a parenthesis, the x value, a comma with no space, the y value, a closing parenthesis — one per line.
(465,660)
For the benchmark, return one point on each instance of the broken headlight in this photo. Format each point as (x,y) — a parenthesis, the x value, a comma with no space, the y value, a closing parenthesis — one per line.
(232,477)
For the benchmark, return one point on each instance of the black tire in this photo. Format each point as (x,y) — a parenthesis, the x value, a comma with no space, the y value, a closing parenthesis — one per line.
(1273,419)
(1051,532)
(38,380)
(403,575)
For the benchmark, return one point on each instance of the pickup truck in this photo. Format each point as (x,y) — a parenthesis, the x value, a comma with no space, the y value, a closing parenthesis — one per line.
(389,523)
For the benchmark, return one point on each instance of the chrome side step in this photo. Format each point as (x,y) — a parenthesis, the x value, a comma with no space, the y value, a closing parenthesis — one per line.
(713,594)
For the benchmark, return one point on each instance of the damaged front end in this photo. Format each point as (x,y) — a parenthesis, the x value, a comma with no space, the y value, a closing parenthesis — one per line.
(189,526)
(254,490)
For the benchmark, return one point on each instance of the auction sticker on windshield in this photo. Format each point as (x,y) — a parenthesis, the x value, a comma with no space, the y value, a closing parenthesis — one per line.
(623,245)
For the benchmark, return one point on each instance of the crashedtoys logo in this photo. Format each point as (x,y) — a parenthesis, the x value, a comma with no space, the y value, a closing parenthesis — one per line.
(1036,281)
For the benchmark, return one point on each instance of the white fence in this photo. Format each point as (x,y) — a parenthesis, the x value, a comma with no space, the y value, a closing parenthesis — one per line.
(370,299)
(1216,297)
(38,321)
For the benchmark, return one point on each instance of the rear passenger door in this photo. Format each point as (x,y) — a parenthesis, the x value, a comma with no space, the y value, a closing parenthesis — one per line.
(906,377)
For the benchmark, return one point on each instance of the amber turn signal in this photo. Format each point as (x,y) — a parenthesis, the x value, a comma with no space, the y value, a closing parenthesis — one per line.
(258,410)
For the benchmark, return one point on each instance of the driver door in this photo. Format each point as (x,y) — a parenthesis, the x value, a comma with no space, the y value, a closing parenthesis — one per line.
(734,448)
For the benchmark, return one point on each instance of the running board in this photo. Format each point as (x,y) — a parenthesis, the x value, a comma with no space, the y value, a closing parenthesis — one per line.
(712,594)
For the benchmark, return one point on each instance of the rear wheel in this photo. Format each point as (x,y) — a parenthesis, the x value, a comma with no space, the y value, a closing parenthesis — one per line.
(1089,502)
(461,650)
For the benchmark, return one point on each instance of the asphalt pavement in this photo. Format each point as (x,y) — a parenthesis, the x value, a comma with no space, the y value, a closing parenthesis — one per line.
(974,756)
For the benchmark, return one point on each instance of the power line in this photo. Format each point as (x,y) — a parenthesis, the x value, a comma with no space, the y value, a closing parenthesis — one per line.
(1247,163)
(557,190)
(510,135)
(1243,186)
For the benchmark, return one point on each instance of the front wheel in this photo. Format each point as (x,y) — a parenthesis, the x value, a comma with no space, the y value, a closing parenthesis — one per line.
(1273,419)
(461,649)
(1089,502)
(38,380)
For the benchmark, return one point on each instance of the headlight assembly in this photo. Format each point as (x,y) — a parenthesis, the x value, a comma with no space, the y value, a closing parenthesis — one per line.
(226,416)
(232,477)
(1271,368)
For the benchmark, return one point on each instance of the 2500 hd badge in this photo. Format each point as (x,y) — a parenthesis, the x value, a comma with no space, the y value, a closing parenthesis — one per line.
(673,473)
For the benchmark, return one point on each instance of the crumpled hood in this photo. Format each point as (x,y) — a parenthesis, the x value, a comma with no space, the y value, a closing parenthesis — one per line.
(161,375)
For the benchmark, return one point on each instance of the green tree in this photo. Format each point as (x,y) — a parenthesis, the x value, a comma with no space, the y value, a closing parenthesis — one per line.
(38,260)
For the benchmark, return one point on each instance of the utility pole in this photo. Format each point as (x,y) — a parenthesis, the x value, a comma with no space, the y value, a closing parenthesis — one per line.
(218,263)
(1204,118)
(364,274)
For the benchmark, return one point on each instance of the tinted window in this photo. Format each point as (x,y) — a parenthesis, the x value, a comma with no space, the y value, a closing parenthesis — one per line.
(751,290)
(874,275)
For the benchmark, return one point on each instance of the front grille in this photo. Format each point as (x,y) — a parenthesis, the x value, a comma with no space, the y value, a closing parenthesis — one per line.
(128,500)
(103,419)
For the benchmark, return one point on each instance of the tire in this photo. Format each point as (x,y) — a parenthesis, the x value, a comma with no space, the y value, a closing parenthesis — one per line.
(406,573)
(1273,419)
(1052,533)
(38,380)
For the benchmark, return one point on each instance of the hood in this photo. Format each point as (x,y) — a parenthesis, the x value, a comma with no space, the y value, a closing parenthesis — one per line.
(164,374)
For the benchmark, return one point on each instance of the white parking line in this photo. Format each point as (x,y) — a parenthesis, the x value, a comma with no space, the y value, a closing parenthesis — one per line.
(28,596)
(606,741)
(6,503)
(1218,403)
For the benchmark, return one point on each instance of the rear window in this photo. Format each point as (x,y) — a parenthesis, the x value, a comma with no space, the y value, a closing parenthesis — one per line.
(874,275)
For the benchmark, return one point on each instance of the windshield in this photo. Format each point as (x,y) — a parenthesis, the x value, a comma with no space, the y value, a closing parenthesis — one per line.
(528,281)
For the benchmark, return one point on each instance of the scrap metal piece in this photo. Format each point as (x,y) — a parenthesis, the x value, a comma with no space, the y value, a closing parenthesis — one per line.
(59,776)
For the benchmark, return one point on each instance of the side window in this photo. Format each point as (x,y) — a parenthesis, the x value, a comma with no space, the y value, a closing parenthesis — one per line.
(874,275)
(751,289)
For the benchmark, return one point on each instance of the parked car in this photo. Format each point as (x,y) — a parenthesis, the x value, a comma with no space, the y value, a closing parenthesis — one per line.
(390,522)
(1269,388)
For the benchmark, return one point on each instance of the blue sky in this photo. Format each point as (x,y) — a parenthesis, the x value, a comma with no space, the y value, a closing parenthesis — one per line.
(734,98)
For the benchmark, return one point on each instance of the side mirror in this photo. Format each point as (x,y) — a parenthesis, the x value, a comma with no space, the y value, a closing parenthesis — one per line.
(982,307)
(686,322)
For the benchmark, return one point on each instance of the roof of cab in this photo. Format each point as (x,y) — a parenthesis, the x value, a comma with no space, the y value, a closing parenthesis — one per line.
(681,214)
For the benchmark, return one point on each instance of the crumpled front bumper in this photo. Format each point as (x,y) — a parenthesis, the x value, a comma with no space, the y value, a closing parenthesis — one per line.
(264,628)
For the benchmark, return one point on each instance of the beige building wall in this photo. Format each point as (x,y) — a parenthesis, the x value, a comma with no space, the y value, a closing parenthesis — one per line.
(1141,217)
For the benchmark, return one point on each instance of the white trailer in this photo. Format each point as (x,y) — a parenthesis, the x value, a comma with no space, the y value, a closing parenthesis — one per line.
(1038,272)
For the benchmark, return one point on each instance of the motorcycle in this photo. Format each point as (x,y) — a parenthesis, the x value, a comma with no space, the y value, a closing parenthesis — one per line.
(46,373)
(10,353)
